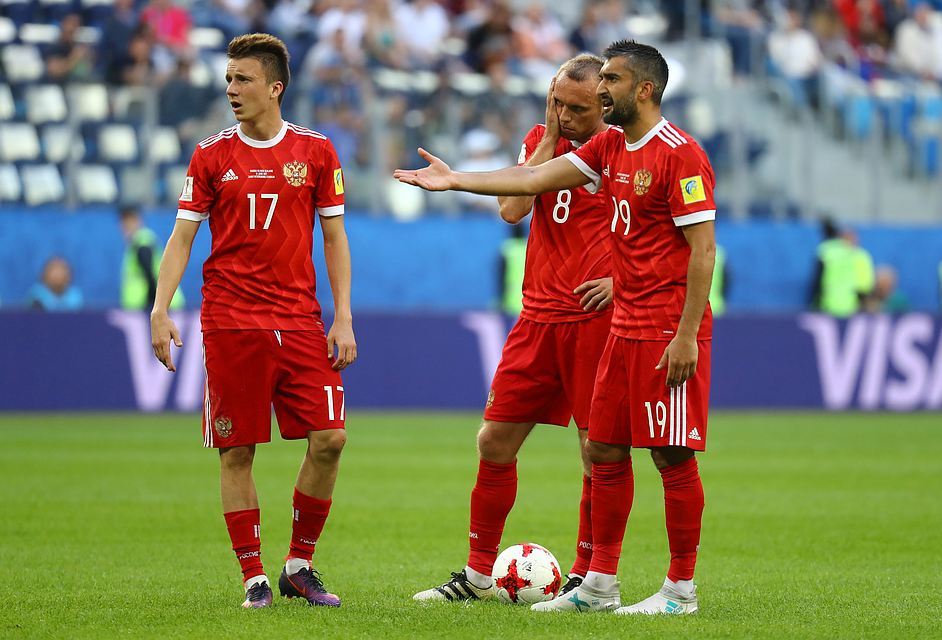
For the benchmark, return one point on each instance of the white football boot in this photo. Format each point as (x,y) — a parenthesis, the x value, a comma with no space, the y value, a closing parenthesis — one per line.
(667,601)
(456,589)
(583,598)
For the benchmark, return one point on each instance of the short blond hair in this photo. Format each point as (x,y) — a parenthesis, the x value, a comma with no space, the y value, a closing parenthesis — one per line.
(582,67)
(268,50)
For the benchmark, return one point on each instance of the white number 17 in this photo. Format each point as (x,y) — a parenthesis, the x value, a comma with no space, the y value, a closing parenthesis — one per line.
(271,208)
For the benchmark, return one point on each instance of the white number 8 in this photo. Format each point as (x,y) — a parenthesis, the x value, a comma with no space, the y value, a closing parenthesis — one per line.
(563,200)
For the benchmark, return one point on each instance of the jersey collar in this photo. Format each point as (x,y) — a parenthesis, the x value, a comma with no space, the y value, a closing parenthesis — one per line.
(634,146)
(263,144)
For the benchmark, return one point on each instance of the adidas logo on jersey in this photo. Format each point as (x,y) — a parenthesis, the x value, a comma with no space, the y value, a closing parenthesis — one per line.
(230,175)
(694,434)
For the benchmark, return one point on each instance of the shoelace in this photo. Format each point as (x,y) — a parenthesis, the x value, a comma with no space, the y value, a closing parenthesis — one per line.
(257,591)
(312,579)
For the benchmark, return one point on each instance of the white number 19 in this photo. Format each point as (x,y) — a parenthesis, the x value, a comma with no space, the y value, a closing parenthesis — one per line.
(661,410)
(271,209)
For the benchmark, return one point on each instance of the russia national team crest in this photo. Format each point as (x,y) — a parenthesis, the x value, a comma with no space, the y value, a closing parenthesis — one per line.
(642,182)
(223,427)
(295,173)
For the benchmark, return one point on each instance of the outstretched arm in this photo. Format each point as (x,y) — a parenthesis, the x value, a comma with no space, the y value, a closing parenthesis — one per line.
(557,174)
(172,265)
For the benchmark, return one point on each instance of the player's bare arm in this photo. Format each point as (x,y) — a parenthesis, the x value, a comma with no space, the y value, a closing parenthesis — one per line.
(680,356)
(337,257)
(172,265)
(557,174)
(596,294)
(513,209)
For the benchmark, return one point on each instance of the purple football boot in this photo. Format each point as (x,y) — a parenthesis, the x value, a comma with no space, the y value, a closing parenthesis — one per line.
(257,596)
(307,584)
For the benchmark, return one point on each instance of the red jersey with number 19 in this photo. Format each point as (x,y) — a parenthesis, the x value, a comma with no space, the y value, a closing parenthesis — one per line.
(260,197)
(565,246)
(656,185)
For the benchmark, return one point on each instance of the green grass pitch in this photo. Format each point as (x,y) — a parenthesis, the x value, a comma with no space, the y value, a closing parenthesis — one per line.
(816,525)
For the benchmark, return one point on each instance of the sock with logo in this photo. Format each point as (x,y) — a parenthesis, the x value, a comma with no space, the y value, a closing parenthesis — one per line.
(310,514)
(683,511)
(584,538)
(244,531)
(491,500)
(613,490)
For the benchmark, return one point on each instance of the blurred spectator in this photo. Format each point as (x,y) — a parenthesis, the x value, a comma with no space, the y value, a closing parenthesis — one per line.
(141,264)
(886,298)
(422,26)
(330,69)
(796,57)
(720,287)
(918,45)
(383,42)
(480,151)
(232,17)
(136,66)
(742,24)
(116,36)
(295,22)
(836,287)
(181,102)
(348,18)
(540,42)
(54,291)
(602,23)
(513,258)
(169,24)
(68,60)
(492,40)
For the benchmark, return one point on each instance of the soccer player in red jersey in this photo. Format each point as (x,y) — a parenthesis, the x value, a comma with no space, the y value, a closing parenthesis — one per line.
(549,362)
(652,388)
(262,185)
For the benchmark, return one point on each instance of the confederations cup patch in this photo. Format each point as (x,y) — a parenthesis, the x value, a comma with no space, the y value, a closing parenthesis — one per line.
(295,173)
(490,399)
(642,182)
(223,427)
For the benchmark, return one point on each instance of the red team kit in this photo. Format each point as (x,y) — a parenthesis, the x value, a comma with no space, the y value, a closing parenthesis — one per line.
(259,275)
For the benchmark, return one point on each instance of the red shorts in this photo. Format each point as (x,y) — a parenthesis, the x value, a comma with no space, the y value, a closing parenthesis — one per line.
(547,372)
(632,406)
(248,371)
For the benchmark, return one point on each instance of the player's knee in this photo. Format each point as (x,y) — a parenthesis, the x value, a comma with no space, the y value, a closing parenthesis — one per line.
(237,458)
(664,457)
(494,446)
(328,445)
(602,453)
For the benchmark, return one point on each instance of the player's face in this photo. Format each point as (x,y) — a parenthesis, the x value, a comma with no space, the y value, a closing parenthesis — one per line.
(249,92)
(618,93)
(578,107)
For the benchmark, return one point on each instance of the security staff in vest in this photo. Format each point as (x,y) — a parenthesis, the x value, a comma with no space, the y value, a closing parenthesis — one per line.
(141,263)
(513,258)
(843,274)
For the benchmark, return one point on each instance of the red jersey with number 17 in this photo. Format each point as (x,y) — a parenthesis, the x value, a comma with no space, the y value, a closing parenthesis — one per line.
(565,246)
(656,186)
(260,197)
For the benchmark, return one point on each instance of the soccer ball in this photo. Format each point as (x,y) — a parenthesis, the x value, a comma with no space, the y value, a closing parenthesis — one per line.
(526,574)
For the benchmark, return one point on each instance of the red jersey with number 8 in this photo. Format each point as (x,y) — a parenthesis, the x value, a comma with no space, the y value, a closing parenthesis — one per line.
(261,197)
(655,187)
(565,247)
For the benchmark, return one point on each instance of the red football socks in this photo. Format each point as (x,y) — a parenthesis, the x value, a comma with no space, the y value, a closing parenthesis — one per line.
(613,489)
(244,531)
(310,514)
(683,510)
(584,538)
(491,500)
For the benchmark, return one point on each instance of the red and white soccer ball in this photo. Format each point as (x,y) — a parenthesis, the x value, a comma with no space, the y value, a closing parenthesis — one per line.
(526,574)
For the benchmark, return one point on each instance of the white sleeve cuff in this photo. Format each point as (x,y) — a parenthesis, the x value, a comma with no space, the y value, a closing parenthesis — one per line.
(595,180)
(193,216)
(330,212)
(694,218)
